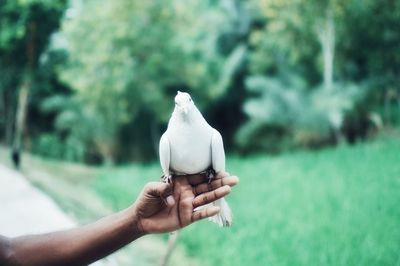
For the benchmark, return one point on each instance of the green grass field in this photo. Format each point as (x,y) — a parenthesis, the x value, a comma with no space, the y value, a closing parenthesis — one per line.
(338,206)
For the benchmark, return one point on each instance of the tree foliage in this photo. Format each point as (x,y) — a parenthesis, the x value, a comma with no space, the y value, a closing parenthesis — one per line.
(26,27)
(269,74)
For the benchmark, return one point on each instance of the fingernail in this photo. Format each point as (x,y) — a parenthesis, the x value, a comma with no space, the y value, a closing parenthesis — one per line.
(170,200)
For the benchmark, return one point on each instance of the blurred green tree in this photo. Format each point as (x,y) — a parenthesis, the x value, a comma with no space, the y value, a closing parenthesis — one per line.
(313,109)
(121,69)
(24,35)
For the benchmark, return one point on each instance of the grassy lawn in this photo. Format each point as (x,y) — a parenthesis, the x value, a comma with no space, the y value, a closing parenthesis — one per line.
(337,206)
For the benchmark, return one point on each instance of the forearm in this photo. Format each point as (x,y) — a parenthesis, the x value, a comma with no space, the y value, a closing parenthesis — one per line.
(79,246)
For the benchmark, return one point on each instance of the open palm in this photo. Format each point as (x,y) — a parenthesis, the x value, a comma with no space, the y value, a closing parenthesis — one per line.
(163,207)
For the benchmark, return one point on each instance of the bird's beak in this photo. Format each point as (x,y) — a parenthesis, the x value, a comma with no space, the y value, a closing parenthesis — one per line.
(185,110)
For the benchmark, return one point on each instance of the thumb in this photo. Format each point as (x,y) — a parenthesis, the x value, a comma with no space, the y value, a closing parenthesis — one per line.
(162,190)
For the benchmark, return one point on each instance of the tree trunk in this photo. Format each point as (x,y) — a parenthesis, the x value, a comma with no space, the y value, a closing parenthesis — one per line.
(326,36)
(172,240)
(108,160)
(3,111)
(9,110)
(22,105)
(106,151)
(20,121)
(21,112)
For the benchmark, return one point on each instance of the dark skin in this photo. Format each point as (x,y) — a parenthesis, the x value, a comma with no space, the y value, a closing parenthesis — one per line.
(160,208)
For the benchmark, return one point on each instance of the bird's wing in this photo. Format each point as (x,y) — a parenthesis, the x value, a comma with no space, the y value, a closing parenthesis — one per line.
(217,152)
(165,154)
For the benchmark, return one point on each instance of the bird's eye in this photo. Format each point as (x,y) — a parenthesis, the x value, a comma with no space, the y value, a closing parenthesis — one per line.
(190,99)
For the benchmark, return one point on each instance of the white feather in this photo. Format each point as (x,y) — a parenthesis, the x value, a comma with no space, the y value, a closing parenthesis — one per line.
(165,154)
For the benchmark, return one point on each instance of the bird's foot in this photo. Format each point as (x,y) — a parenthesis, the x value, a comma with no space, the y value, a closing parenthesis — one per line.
(167,179)
(210,175)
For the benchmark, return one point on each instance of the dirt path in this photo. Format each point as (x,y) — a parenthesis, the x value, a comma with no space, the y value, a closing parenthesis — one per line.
(26,210)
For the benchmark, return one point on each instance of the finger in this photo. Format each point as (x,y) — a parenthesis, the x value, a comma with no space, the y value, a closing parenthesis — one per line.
(197,179)
(162,190)
(217,183)
(221,174)
(205,213)
(211,196)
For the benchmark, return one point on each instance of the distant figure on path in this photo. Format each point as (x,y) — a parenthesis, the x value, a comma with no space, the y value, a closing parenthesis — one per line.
(15,157)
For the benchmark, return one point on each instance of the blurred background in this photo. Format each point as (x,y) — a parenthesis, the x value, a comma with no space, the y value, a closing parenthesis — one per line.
(305,94)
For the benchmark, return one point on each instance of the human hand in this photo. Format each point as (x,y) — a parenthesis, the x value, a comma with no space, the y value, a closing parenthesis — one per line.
(165,207)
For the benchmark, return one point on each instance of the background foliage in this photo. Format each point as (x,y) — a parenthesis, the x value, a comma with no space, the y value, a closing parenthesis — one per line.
(270,75)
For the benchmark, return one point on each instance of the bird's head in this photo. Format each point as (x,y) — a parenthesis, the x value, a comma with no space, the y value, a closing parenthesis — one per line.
(183,102)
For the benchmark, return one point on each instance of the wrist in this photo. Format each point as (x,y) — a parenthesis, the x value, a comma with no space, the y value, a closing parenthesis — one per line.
(135,222)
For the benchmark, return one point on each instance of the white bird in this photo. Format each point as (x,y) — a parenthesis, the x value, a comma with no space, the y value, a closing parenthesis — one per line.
(190,146)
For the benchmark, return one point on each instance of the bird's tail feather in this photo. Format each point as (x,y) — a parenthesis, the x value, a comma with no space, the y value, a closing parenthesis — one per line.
(224,217)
